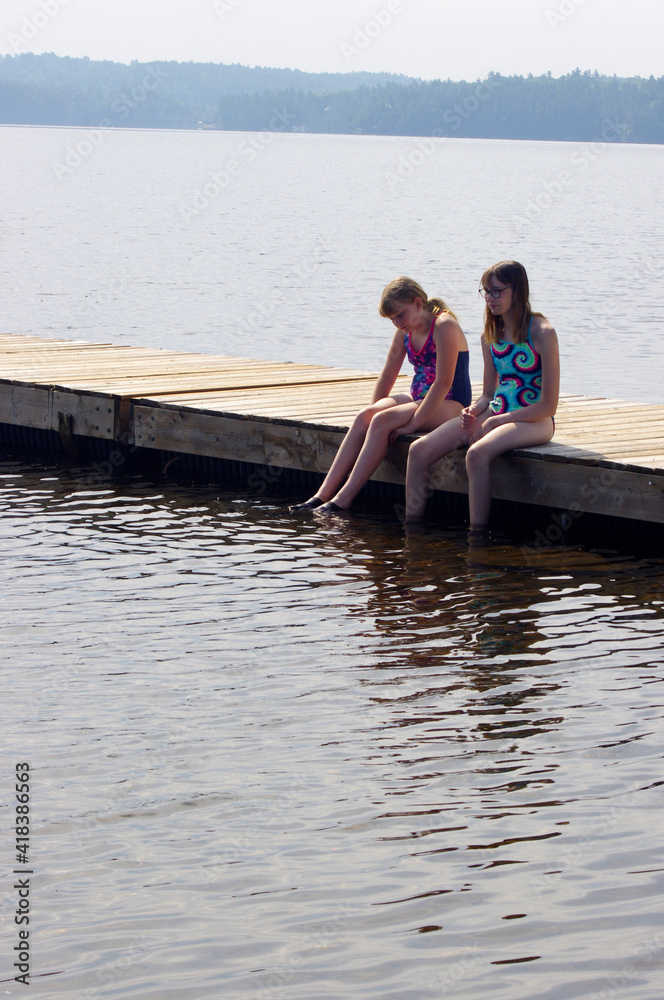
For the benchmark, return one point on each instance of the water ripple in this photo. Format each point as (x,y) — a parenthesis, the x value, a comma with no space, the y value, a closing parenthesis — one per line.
(294,762)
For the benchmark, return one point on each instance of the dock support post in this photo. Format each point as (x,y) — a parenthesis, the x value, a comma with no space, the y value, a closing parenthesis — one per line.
(65,425)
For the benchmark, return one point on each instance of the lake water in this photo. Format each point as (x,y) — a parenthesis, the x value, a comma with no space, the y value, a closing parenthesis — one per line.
(278,245)
(273,759)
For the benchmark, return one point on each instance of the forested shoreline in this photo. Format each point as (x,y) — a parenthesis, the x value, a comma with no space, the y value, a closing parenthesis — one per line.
(53,90)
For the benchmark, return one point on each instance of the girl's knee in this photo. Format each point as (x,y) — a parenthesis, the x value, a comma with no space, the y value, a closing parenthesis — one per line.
(383,422)
(475,457)
(379,417)
(364,418)
(419,465)
(417,453)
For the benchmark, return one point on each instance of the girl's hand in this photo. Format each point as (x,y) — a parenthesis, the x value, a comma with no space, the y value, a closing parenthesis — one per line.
(487,425)
(468,418)
(400,431)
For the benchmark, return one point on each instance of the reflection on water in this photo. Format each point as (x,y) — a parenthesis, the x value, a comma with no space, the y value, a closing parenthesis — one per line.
(276,757)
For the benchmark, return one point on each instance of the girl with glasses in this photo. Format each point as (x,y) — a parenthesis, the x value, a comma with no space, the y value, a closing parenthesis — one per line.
(518,401)
(427,332)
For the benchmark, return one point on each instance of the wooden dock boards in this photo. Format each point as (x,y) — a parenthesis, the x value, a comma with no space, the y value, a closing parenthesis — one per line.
(607,456)
(93,384)
(304,429)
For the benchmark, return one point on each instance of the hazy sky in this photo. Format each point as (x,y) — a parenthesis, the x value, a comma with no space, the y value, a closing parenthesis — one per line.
(459,39)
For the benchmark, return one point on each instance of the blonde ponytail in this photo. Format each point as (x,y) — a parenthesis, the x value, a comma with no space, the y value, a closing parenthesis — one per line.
(406,290)
(437,306)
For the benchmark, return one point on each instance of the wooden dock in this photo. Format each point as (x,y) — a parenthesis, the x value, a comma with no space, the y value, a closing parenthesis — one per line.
(607,456)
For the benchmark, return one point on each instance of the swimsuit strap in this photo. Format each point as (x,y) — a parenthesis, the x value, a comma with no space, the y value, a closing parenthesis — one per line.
(408,339)
(429,334)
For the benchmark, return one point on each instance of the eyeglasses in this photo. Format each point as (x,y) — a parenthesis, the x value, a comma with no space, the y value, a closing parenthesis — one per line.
(493,293)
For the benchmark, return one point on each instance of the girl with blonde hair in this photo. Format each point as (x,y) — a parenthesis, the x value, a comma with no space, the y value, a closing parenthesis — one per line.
(428,333)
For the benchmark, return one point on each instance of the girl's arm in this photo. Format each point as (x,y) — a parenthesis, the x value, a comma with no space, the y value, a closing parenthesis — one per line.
(489,382)
(391,368)
(545,342)
(448,338)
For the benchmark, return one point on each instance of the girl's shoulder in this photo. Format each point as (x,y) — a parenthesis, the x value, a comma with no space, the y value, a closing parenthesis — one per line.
(541,329)
(399,340)
(540,324)
(446,325)
(446,319)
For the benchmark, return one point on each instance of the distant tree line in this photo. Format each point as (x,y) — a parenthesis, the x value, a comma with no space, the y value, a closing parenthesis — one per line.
(59,90)
(579,106)
(53,90)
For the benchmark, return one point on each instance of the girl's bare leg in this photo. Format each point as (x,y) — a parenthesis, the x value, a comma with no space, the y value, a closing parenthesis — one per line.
(373,450)
(344,459)
(480,454)
(377,442)
(351,447)
(421,456)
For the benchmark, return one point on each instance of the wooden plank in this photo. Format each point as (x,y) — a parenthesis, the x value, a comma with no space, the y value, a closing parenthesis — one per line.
(607,458)
(530,480)
(27,406)
(310,406)
(338,405)
(161,387)
(142,368)
(252,441)
(569,487)
(607,446)
(606,419)
(91,416)
(143,362)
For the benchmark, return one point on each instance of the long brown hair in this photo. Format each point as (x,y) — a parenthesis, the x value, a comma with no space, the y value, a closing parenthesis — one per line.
(406,290)
(509,272)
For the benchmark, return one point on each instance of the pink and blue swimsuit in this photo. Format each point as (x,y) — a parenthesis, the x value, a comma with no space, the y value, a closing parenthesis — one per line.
(424,363)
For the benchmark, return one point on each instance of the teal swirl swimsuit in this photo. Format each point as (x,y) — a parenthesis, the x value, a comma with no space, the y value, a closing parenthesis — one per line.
(519,368)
